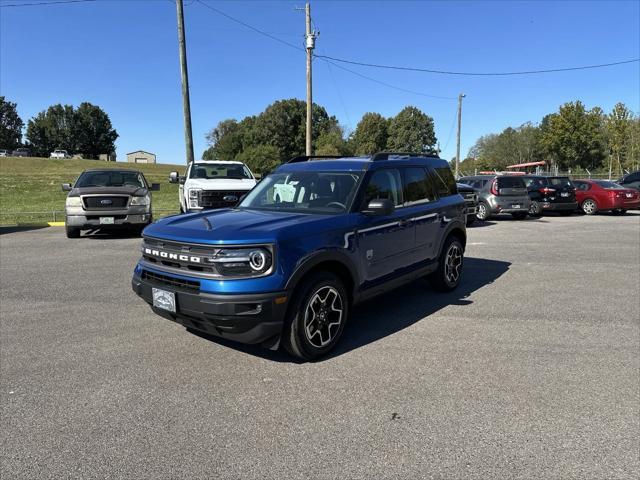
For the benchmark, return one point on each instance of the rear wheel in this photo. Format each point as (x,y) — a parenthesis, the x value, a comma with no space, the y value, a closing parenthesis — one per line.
(316,317)
(483,211)
(447,276)
(519,215)
(589,206)
(535,210)
(72,232)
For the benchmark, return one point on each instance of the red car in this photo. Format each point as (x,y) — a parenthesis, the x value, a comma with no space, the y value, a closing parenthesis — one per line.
(602,195)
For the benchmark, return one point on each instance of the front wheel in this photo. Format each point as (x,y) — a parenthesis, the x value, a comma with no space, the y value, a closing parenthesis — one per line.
(483,212)
(447,276)
(72,232)
(316,317)
(589,206)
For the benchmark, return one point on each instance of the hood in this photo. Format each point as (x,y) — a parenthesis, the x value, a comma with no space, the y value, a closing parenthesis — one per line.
(240,226)
(124,190)
(465,187)
(234,184)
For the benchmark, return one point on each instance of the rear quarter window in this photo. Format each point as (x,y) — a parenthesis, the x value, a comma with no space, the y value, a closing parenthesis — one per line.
(445,183)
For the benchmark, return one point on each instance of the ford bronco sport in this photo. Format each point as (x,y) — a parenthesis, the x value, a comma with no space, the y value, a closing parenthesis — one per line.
(286,270)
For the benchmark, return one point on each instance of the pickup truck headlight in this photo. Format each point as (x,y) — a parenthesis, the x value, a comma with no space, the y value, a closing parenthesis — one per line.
(73,202)
(250,262)
(194,197)
(140,200)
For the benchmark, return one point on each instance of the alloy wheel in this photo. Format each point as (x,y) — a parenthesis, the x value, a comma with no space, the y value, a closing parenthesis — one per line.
(453,263)
(323,315)
(482,211)
(589,207)
(534,209)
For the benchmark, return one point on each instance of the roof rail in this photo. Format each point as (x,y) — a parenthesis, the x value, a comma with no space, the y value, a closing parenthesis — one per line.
(306,158)
(385,155)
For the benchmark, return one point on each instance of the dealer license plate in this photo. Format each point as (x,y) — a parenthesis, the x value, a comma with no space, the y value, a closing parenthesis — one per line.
(106,220)
(515,205)
(164,300)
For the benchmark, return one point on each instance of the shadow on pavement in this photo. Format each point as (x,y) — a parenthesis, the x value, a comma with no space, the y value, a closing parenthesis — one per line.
(391,312)
(103,234)
(18,228)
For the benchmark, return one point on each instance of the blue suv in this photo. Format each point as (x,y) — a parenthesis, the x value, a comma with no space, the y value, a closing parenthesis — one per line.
(312,239)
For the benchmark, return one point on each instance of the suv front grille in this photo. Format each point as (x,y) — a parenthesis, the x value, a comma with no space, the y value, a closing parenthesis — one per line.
(170,281)
(105,202)
(215,198)
(175,255)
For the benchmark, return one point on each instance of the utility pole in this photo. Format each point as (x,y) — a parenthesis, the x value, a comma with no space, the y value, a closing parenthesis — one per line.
(186,104)
(310,43)
(460,97)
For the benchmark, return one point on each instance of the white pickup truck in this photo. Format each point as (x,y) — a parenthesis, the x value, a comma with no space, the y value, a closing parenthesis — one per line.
(59,154)
(212,184)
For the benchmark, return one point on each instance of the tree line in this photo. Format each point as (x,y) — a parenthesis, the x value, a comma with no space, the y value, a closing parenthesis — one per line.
(573,138)
(84,130)
(265,140)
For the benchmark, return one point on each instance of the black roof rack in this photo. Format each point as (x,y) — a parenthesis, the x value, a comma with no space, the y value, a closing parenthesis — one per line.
(306,158)
(385,155)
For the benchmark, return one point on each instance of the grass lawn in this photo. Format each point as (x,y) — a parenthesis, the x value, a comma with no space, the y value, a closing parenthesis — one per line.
(34,185)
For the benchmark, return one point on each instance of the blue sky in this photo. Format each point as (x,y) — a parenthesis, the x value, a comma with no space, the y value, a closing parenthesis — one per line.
(122,55)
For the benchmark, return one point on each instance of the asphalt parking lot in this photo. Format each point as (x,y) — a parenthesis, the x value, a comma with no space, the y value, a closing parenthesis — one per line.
(529,370)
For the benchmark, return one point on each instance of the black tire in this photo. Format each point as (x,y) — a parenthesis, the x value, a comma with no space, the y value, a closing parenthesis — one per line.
(519,215)
(471,219)
(72,232)
(299,337)
(450,262)
(589,206)
(483,213)
(535,210)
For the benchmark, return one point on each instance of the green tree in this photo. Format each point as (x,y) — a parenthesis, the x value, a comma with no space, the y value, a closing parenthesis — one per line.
(573,137)
(94,132)
(411,131)
(225,140)
(332,142)
(618,126)
(261,159)
(10,125)
(371,134)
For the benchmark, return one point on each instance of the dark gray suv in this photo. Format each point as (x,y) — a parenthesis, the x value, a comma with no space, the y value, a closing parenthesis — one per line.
(500,194)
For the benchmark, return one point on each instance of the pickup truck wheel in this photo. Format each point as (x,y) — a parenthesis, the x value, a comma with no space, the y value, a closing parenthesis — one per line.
(316,317)
(72,232)
(447,276)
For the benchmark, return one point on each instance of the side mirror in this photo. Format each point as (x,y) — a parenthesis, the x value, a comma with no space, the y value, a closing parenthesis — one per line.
(379,206)
(181,180)
(174,177)
(66,187)
(154,187)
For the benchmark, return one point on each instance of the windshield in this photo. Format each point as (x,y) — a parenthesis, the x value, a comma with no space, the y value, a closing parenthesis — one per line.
(304,192)
(110,179)
(219,170)
(607,184)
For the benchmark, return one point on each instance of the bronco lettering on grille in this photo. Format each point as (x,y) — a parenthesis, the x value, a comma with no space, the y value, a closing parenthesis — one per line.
(172,256)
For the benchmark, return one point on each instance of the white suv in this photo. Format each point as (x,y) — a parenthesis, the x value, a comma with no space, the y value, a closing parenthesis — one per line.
(212,184)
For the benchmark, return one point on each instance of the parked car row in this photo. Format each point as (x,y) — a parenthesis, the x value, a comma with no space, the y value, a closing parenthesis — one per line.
(533,195)
(25,152)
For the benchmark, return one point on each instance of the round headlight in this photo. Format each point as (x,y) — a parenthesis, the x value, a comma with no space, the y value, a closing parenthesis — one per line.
(257,260)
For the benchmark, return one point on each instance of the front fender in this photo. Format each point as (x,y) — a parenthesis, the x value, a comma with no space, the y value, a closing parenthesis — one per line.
(311,261)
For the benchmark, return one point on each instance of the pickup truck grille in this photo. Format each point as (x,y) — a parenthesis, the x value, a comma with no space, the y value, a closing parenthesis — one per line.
(470,198)
(216,198)
(105,202)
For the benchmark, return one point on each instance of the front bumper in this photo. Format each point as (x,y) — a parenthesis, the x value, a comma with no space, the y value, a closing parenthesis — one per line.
(134,215)
(246,318)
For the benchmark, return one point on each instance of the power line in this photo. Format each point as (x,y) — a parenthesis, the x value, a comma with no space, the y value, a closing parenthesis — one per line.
(495,74)
(251,27)
(53,2)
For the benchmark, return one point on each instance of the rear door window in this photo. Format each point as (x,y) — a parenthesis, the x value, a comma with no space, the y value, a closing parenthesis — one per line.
(560,182)
(418,187)
(447,184)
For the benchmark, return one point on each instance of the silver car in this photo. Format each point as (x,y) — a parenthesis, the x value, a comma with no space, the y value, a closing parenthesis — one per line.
(500,194)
